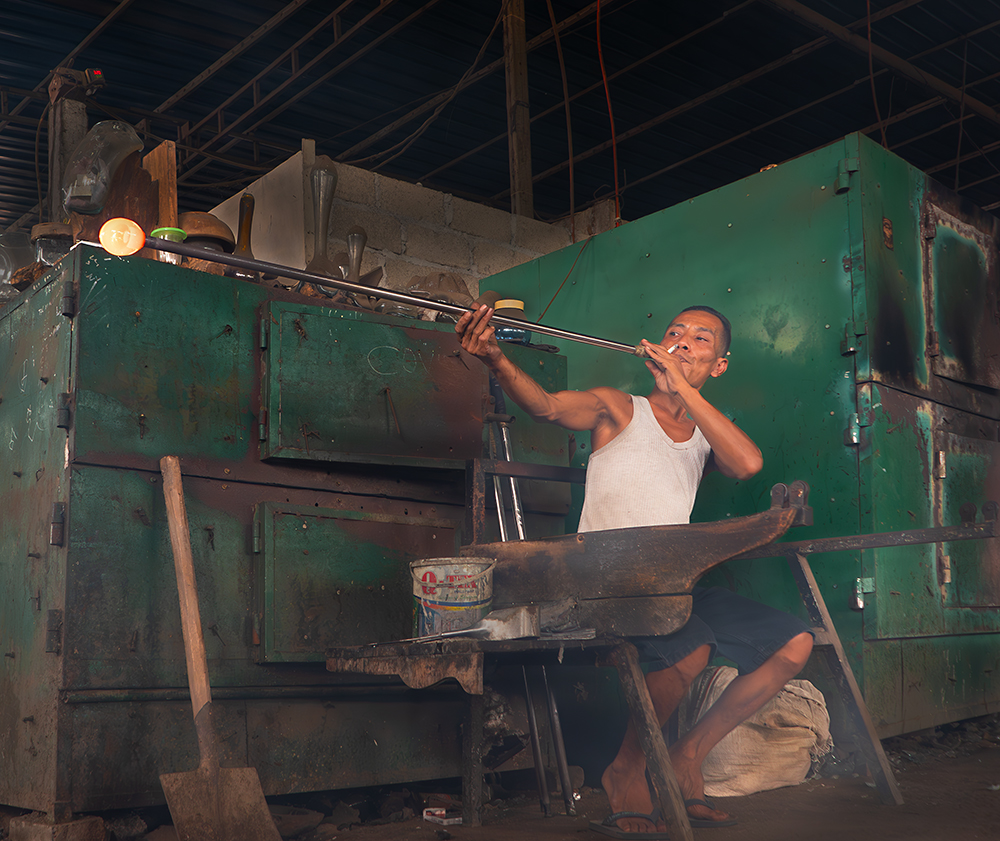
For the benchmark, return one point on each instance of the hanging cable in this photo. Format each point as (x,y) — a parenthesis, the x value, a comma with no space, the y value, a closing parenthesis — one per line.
(961,114)
(404,144)
(611,116)
(561,285)
(871,76)
(569,125)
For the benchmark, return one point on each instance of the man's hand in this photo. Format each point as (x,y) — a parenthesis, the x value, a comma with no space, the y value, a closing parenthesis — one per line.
(476,335)
(666,367)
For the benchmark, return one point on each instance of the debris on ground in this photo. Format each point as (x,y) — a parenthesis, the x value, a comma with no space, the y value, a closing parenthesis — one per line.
(959,738)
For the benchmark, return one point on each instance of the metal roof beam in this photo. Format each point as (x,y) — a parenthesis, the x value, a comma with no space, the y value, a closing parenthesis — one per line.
(97,30)
(479,75)
(795,55)
(239,49)
(895,63)
(340,39)
(590,88)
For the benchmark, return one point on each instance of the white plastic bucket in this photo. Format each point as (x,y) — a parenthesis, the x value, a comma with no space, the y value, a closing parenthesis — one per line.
(451,594)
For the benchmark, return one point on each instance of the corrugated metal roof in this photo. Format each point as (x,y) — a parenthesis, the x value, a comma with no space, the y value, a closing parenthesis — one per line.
(702,93)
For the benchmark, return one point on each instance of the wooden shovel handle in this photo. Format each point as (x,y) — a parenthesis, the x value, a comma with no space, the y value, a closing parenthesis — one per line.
(187,590)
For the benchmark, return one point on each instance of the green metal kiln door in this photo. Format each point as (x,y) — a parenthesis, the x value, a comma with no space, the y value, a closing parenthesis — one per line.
(330,578)
(378,390)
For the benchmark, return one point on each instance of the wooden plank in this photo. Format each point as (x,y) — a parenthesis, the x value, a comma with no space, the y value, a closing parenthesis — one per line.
(161,164)
(626,659)
(845,682)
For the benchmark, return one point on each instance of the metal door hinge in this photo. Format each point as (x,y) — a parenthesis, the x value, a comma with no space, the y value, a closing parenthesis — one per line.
(262,425)
(844,169)
(263,333)
(853,331)
(256,538)
(63,413)
(68,299)
(862,586)
(57,524)
(941,465)
(53,632)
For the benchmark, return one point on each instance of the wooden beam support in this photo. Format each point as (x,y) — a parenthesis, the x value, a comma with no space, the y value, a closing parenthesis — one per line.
(515,59)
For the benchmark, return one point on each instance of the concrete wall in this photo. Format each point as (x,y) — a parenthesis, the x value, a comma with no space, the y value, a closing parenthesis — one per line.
(412,231)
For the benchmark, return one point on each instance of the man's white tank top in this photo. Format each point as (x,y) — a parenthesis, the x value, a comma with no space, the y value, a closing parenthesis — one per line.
(642,477)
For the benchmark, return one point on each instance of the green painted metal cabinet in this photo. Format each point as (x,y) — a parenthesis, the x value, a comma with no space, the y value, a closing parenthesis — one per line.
(865,361)
(322,450)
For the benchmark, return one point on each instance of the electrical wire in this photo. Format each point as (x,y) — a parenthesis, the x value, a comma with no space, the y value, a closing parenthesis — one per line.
(871,76)
(611,116)
(561,285)
(569,124)
(961,114)
(406,142)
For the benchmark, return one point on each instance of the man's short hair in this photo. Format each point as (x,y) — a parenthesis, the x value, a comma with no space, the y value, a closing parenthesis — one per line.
(727,330)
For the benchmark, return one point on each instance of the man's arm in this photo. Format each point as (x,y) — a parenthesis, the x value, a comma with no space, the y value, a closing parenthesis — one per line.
(575,410)
(734,453)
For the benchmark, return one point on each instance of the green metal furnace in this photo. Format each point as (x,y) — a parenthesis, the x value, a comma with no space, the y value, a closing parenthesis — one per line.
(865,361)
(322,450)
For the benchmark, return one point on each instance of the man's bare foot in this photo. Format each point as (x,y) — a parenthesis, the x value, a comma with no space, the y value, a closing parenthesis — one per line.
(628,791)
(692,786)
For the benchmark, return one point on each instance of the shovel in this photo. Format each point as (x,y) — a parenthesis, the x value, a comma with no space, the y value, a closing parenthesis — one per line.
(209,803)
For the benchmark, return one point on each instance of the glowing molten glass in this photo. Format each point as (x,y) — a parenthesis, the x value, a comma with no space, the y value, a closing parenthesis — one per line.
(121,237)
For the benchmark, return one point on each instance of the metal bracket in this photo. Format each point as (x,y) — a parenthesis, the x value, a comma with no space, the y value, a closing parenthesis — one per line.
(53,632)
(844,169)
(57,524)
(63,413)
(852,337)
(794,496)
(861,587)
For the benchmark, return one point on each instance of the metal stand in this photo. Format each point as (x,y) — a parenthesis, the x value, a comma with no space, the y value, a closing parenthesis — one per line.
(827,642)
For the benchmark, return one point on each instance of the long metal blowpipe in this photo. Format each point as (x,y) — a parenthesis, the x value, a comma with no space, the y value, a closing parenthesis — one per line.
(123,237)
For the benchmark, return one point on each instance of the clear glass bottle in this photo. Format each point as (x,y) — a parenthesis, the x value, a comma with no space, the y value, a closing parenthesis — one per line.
(52,241)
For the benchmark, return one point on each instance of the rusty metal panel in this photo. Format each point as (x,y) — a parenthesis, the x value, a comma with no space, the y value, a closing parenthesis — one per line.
(949,678)
(967,470)
(339,388)
(962,293)
(35,358)
(338,577)
(165,362)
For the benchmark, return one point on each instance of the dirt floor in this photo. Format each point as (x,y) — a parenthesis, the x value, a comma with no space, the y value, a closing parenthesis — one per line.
(949,778)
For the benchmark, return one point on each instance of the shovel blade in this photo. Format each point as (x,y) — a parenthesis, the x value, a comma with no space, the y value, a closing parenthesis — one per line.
(222,804)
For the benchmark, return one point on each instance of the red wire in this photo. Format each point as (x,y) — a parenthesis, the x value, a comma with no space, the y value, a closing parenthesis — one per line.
(611,116)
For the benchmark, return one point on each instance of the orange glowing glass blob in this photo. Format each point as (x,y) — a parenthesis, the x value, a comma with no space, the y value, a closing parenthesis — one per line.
(121,237)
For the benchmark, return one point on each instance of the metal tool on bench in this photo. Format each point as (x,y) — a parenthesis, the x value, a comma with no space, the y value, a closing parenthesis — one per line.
(502,450)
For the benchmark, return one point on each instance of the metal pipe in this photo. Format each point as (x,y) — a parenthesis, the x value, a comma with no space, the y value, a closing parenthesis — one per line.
(263,267)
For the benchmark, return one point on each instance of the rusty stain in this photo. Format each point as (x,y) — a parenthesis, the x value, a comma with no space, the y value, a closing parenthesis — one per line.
(142,517)
(303,335)
(225,331)
(388,396)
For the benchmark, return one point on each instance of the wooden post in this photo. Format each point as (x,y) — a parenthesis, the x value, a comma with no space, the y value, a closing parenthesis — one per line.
(515,59)
(668,794)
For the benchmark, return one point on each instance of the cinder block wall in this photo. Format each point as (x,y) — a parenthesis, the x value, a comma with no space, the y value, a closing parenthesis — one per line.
(412,231)
(415,231)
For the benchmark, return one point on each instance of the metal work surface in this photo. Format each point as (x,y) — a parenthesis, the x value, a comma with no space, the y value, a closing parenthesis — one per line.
(846,274)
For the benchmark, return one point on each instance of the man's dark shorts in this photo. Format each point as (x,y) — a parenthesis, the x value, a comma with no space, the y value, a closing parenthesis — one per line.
(738,628)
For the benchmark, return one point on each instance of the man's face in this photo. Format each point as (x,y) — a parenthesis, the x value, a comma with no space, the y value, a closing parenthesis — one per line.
(698,336)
